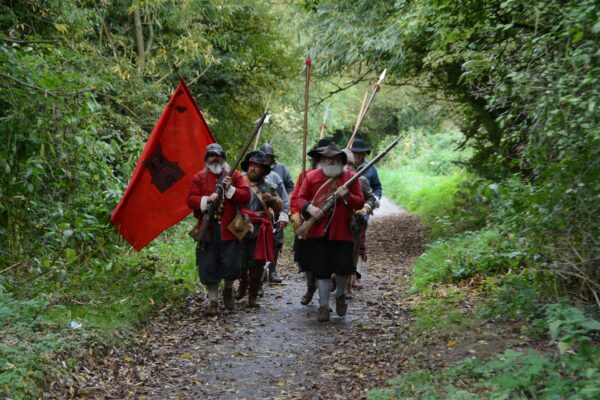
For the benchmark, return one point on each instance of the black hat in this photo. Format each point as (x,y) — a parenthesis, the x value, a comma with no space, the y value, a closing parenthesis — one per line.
(256,157)
(321,143)
(214,149)
(331,150)
(268,149)
(359,146)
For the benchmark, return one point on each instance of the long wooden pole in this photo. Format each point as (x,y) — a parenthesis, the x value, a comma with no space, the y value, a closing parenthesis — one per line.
(361,116)
(306,89)
(362,108)
(265,122)
(324,123)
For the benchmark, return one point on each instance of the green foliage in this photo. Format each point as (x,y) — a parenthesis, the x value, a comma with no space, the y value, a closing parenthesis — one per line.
(512,297)
(462,256)
(440,314)
(573,374)
(522,82)
(77,102)
(424,175)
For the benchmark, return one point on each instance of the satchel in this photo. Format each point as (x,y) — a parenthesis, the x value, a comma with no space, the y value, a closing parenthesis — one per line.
(195,232)
(240,225)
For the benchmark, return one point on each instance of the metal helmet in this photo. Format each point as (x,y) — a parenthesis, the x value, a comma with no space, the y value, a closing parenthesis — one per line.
(268,149)
(214,149)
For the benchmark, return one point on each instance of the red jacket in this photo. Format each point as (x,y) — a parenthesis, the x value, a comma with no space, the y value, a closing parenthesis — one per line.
(204,184)
(339,228)
(294,208)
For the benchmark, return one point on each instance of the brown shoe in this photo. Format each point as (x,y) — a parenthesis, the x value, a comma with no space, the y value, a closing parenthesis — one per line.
(357,284)
(308,296)
(323,315)
(341,306)
(228,298)
(212,309)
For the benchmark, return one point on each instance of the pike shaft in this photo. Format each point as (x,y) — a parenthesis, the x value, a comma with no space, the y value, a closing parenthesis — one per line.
(306,89)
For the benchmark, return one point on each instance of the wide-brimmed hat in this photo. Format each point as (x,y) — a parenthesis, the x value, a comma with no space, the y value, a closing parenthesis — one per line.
(256,157)
(321,143)
(359,146)
(214,149)
(331,150)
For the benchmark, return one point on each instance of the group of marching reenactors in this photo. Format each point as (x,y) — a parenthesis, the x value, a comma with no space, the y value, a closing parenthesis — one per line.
(245,234)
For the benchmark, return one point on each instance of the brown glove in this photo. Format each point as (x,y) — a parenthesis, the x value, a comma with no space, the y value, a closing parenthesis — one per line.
(364,211)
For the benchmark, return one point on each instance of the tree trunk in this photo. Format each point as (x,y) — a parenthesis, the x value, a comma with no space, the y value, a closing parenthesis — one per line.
(139,40)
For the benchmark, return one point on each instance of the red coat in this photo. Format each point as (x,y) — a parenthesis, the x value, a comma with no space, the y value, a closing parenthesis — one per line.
(294,208)
(204,183)
(339,228)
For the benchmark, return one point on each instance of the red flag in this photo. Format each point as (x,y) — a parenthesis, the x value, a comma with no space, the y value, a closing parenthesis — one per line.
(157,193)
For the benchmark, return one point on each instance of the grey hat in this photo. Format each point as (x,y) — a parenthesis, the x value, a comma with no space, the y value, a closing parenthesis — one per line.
(214,149)
(268,149)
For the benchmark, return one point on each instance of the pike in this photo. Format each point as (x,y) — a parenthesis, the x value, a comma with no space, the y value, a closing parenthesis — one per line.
(324,123)
(266,120)
(303,230)
(363,112)
(200,234)
(306,88)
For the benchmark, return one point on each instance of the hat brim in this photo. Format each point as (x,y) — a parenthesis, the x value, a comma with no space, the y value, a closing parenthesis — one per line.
(245,164)
(360,150)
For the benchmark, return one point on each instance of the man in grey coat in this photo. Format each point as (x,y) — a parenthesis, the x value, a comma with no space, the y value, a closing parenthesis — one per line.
(282,171)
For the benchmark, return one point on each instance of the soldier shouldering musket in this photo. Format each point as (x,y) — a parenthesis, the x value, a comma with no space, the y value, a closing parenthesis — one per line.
(328,198)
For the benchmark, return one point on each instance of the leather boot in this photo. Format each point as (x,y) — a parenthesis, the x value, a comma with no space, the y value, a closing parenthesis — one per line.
(308,296)
(341,306)
(212,309)
(255,275)
(228,298)
(323,315)
(243,285)
(274,278)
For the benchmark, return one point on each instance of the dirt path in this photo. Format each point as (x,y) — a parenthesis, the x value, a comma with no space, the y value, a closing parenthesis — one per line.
(280,350)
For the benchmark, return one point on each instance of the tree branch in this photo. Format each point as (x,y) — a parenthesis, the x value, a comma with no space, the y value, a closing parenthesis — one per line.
(47,91)
(15,41)
(342,88)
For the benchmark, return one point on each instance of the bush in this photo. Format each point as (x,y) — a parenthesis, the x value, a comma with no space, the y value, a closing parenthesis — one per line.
(573,372)
(463,256)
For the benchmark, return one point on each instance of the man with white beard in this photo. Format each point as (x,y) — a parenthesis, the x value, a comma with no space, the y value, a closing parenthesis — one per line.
(329,243)
(218,258)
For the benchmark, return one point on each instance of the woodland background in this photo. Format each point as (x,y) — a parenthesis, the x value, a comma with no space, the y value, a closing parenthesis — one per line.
(497,104)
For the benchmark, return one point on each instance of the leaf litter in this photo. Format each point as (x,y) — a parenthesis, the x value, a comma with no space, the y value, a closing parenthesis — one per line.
(280,350)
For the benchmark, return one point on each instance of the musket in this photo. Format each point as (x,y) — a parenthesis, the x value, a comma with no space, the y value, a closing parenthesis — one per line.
(324,123)
(201,234)
(362,114)
(306,88)
(303,230)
